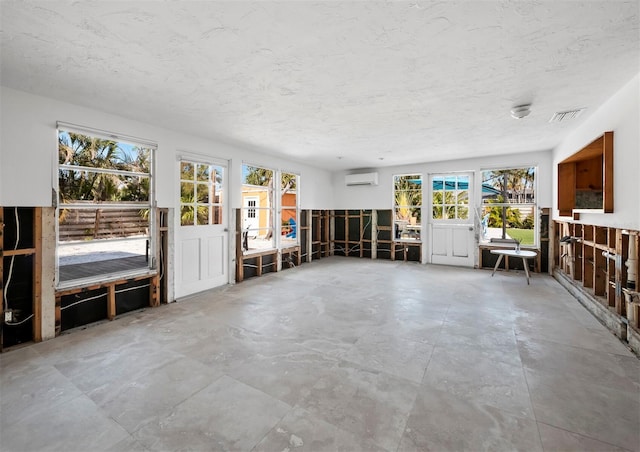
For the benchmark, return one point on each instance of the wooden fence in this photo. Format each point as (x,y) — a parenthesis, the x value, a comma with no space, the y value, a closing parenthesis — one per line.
(102,224)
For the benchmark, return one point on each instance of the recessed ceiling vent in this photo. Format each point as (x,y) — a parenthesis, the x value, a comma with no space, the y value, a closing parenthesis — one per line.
(562,116)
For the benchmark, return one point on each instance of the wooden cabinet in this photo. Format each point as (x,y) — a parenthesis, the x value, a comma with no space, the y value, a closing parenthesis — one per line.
(585,179)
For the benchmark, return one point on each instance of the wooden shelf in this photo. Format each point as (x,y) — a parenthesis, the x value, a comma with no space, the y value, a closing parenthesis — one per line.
(585,179)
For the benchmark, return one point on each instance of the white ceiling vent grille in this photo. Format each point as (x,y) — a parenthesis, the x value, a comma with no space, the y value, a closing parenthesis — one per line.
(568,115)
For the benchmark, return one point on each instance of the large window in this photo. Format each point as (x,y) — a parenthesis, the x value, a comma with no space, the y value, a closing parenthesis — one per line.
(258,210)
(450,197)
(407,194)
(104,208)
(509,205)
(290,212)
(201,193)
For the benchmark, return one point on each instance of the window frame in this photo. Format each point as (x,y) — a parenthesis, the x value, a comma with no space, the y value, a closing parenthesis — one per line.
(282,207)
(270,210)
(533,206)
(456,205)
(419,224)
(212,206)
(80,205)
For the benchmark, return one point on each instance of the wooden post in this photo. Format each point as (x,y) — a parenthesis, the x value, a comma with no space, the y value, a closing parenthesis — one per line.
(58,314)
(37,275)
(310,233)
(374,234)
(111,301)
(154,291)
(618,300)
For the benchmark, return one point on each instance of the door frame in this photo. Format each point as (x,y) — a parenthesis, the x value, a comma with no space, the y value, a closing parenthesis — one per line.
(226,215)
(469,223)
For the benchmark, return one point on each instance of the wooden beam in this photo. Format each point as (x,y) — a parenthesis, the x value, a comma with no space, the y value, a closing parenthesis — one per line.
(154,291)
(607,172)
(310,235)
(58,314)
(20,252)
(37,275)
(111,301)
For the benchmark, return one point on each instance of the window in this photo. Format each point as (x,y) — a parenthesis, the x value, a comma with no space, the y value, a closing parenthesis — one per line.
(257,208)
(104,210)
(509,205)
(201,194)
(450,197)
(251,213)
(290,211)
(407,194)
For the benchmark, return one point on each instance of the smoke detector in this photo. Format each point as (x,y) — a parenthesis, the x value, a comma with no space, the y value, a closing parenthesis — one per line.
(520,111)
(561,116)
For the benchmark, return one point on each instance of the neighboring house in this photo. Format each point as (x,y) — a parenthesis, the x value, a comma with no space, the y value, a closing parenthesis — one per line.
(256,212)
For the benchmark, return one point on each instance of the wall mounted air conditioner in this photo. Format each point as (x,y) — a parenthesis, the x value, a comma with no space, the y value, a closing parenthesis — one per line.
(361,179)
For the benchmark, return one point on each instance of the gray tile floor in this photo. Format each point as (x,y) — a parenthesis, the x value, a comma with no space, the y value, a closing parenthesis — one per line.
(341,354)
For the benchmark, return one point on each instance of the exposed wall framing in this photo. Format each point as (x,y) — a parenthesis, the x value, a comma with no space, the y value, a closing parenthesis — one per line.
(83,305)
(352,233)
(20,275)
(601,262)
(320,233)
(313,230)
(369,234)
(163,247)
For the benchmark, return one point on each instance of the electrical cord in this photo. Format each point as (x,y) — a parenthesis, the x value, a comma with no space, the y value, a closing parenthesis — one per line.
(10,273)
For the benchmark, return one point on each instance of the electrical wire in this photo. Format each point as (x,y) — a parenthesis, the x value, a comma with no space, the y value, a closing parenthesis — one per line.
(132,288)
(20,322)
(10,274)
(83,301)
(103,295)
(6,287)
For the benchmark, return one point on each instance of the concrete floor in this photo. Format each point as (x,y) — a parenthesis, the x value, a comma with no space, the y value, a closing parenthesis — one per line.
(341,354)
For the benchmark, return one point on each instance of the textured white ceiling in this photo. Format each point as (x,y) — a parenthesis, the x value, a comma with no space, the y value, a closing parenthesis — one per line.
(405,82)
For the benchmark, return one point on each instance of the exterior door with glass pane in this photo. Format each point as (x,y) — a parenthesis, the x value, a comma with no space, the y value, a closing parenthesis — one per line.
(202,231)
(451,219)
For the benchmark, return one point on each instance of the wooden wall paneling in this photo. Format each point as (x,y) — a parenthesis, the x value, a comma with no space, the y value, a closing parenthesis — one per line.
(566,188)
(607,170)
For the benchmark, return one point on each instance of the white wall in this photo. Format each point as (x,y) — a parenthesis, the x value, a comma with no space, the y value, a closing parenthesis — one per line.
(28,152)
(381,196)
(621,113)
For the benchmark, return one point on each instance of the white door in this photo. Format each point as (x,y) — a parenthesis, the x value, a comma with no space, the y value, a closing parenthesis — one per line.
(249,213)
(202,228)
(451,219)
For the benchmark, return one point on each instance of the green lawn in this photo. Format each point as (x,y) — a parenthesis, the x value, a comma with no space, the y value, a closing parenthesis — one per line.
(524,235)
